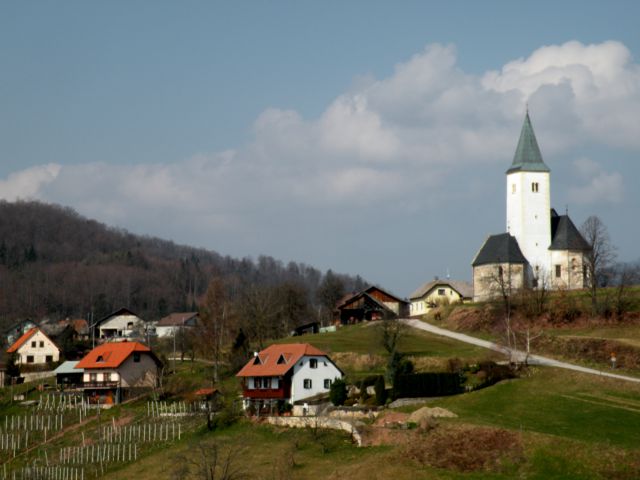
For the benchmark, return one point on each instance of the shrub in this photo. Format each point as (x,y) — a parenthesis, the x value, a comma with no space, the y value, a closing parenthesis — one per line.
(430,384)
(338,392)
(381,393)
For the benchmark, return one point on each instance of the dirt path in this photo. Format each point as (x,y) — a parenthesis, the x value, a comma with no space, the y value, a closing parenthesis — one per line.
(514,355)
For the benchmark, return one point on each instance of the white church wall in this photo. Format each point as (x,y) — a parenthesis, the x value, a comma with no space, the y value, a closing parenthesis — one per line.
(529,216)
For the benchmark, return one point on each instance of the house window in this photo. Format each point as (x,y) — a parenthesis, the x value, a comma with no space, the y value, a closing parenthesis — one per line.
(33,344)
(130,326)
(307,383)
(29,358)
(257,382)
(136,357)
(41,344)
(313,363)
(93,377)
(327,383)
(441,291)
(534,187)
(558,271)
(48,358)
(266,383)
(281,360)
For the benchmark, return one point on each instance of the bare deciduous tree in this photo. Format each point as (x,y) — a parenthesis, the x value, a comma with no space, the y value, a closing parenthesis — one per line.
(209,461)
(599,258)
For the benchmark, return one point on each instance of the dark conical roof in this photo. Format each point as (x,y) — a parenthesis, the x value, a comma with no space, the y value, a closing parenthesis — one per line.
(502,248)
(565,235)
(528,157)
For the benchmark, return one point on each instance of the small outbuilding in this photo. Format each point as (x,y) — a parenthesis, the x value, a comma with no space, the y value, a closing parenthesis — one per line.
(68,376)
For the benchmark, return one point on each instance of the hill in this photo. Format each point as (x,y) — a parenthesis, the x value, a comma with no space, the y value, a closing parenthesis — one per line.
(55,263)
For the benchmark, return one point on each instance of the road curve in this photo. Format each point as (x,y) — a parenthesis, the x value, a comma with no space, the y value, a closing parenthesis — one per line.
(515,355)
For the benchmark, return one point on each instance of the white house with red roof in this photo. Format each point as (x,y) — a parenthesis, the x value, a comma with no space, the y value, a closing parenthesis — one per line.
(34,347)
(286,373)
(116,371)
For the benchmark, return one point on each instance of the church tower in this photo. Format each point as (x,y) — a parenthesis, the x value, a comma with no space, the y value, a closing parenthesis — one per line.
(529,202)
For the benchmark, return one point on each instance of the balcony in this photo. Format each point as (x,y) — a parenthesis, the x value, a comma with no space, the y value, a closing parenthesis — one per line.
(266,393)
(103,384)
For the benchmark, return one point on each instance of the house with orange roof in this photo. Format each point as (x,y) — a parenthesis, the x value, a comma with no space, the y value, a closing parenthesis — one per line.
(286,373)
(34,347)
(116,371)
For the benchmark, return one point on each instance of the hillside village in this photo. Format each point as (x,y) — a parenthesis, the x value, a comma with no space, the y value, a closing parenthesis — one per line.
(455,379)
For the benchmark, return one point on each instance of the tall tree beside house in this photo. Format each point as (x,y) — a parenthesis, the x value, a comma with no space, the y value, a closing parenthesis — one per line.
(599,258)
(216,316)
(330,290)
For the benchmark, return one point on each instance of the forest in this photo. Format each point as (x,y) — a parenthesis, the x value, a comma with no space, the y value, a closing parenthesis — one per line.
(55,264)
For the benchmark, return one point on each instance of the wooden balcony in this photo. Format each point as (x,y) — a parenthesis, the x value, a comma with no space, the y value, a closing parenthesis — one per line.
(266,393)
(103,384)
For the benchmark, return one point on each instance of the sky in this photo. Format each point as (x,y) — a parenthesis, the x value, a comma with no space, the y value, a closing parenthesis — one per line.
(367,137)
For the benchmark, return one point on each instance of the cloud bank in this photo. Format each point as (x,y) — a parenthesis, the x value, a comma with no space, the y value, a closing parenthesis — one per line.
(409,142)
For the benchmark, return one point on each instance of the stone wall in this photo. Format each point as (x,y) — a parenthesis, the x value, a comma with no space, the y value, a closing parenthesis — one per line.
(317,422)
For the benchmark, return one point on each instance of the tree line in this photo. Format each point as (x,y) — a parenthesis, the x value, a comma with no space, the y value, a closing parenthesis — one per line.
(55,264)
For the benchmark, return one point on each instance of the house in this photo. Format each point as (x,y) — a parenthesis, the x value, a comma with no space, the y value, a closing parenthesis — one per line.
(120,324)
(116,371)
(34,348)
(439,292)
(307,328)
(540,247)
(68,376)
(170,324)
(372,303)
(285,374)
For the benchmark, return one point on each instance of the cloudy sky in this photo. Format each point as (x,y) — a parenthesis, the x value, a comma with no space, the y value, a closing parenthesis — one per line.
(367,137)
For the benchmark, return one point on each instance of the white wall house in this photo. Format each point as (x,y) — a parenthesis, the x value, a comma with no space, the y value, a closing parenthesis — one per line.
(34,348)
(120,324)
(286,373)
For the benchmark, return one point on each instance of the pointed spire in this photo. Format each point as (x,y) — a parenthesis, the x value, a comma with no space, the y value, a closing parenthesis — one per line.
(528,157)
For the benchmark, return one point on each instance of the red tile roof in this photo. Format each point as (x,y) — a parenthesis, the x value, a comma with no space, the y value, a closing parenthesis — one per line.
(205,391)
(22,340)
(266,362)
(112,355)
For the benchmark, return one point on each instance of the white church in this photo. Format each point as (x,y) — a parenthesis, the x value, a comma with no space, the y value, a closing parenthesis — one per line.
(540,245)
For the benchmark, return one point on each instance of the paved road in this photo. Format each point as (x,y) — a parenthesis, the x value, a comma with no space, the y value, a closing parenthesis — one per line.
(515,355)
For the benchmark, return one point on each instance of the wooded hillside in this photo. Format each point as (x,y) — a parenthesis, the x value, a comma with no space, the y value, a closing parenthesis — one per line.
(55,263)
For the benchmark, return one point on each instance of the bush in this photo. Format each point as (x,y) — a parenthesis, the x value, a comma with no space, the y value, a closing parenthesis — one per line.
(430,384)
(338,392)
(381,393)
(222,419)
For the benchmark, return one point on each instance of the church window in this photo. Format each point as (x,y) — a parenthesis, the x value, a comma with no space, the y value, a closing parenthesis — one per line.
(534,187)
(558,271)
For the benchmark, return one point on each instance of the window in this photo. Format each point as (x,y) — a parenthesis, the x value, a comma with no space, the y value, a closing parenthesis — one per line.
(130,326)
(307,383)
(266,383)
(48,358)
(136,357)
(558,271)
(256,360)
(257,382)
(29,358)
(281,360)
(327,383)
(535,187)
(93,377)
(441,291)
(100,358)
(313,363)
(33,344)
(41,344)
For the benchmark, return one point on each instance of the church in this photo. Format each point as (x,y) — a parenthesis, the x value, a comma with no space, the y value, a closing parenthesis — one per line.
(540,248)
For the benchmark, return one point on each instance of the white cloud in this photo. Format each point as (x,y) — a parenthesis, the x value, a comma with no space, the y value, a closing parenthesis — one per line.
(27,184)
(415,141)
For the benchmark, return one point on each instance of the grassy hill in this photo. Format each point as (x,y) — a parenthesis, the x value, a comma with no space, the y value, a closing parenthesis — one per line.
(547,423)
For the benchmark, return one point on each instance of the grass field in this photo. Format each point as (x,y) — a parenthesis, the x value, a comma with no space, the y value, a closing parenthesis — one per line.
(566,425)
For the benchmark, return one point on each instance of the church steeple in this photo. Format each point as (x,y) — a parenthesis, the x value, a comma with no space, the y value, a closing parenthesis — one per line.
(528,157)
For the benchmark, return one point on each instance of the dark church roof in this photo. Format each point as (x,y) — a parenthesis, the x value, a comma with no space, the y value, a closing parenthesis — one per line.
(528,157)
(502,248)
(565,235)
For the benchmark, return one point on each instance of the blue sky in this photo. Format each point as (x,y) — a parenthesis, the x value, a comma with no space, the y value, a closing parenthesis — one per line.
(367,137)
